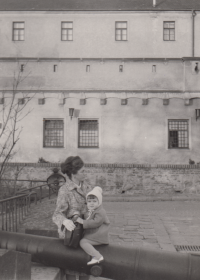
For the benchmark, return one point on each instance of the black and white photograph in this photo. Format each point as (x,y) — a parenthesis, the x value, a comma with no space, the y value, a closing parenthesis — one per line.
(99,139)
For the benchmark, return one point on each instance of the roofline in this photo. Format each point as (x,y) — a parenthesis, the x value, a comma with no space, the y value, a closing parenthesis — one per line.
(100,59)
(94,58)
(93,10)
(97,91)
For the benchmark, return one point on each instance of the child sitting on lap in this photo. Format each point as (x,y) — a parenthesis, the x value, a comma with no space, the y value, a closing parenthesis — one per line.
(95,226)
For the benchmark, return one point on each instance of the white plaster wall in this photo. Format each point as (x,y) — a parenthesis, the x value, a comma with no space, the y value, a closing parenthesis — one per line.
(196,35)
(72,75)
(192,78)
(94,34)
(131,133)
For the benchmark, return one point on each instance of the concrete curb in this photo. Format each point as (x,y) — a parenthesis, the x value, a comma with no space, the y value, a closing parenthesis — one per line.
(122,198)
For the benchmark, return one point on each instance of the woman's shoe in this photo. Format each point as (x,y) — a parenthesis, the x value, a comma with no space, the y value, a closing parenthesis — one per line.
(94,260)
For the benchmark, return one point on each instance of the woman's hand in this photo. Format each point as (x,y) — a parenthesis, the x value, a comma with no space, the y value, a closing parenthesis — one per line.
(69,224)
(79,220)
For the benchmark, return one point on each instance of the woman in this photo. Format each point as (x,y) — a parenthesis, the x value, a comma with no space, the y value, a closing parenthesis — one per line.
(71,196)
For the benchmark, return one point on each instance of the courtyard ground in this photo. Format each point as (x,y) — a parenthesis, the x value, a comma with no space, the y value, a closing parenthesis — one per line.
(155,224)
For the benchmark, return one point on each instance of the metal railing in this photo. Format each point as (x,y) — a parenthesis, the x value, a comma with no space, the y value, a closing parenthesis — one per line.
(40,195)
(13,210)
(52,188)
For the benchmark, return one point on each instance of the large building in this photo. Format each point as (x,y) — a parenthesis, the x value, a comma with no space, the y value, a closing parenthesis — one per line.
(129,69)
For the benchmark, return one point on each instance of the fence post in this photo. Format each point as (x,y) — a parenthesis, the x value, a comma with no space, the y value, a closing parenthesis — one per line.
(2,215)
(19,204)
(6,217)
(40,194)
(12,204)
(16,215)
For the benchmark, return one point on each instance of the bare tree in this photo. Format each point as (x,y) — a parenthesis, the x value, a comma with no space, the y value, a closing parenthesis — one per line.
(12,113)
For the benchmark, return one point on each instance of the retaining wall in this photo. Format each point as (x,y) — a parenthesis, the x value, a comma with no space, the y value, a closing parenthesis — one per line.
(114,178)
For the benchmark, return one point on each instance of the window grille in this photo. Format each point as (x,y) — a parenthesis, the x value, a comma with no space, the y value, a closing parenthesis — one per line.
(88,134)
(18,31)
(121,30)
(53,133)
(67,31)
(169,30)
(178,134)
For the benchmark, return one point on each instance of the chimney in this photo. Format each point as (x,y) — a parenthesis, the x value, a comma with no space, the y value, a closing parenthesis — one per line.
(154,3)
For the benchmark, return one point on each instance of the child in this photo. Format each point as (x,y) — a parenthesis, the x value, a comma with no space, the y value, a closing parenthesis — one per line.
(95,226)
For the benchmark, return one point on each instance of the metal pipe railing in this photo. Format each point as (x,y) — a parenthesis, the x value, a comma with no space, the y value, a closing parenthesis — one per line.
(13,210)
(50,192)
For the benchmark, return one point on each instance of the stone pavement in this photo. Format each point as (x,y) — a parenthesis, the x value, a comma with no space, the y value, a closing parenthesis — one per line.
(152,224)
(158,224)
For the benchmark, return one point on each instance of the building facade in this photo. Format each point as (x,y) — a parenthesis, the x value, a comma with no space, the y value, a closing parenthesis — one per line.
(130,74)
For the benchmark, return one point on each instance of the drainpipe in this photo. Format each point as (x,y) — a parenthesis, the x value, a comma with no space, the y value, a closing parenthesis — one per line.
(154,3)
(193,33)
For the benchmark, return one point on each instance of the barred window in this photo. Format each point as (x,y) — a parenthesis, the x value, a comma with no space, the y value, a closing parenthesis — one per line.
(88,134)
(121,30)
(18,31)
(53,133)
(67,31)
(178,134)
(169,30)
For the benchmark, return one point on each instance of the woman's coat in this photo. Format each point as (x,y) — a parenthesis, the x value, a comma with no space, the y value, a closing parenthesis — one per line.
(70,200)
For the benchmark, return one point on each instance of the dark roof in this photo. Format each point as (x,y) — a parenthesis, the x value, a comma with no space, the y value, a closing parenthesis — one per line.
(97,5)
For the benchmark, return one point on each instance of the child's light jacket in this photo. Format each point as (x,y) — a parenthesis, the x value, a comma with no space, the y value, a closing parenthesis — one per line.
(97,226)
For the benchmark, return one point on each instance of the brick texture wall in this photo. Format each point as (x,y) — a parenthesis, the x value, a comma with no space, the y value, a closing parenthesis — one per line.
(115,178)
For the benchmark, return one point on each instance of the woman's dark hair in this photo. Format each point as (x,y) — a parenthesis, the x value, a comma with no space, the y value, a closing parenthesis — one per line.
(71,166)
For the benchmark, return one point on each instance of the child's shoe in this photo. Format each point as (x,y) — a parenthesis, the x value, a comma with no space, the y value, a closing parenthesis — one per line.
(94,260)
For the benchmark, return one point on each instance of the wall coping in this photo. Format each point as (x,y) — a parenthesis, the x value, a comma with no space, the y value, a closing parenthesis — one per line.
(111,165)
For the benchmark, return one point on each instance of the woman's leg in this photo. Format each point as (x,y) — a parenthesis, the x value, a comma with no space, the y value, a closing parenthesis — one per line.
(86,245)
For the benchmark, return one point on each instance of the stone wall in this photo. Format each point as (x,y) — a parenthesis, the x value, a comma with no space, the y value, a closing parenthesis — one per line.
(115,178)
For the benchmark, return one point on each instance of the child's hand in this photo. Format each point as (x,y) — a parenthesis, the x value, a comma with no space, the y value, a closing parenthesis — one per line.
(79,220)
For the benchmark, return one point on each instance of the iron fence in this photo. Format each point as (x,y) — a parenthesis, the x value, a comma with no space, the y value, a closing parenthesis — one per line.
(52,187)
(13,210)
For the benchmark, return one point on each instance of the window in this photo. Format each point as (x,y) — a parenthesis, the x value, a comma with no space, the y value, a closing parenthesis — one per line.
(67,31)
(169,30)
(88,133)
(120,68)
(153,68)
(18,31)
(87,68)
(121,30)
(53,133)
(55,68)
(178,134)
(20,101)
(22,68)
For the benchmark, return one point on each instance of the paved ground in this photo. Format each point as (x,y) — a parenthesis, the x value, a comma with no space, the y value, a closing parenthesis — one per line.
(158,224)
(154,224)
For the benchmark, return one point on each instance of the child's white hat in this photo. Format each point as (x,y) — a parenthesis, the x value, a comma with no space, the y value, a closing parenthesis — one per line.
(97,191)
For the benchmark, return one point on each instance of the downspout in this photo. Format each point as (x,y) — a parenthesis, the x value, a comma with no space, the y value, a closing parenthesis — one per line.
(193,32)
